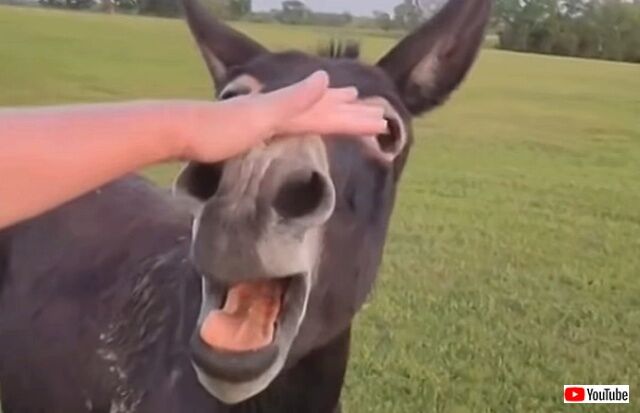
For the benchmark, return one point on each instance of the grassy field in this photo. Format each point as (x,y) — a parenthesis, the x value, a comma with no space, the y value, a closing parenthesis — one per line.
(513,262)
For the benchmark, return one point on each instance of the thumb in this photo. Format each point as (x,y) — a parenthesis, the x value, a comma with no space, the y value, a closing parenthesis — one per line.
(300,97)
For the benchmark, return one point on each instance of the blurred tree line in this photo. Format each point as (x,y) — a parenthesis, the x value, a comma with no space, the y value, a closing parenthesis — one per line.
(226,9)
(296,12)
(601,29)
(407,15)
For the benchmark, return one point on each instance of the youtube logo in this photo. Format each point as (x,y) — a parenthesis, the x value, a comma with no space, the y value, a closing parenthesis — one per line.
(595,393)
(574,394)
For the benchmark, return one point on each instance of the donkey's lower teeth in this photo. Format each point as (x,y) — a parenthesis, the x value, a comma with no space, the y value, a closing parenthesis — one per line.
(247,322)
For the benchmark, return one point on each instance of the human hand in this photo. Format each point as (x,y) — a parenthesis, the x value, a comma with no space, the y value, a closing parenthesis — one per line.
(226,129)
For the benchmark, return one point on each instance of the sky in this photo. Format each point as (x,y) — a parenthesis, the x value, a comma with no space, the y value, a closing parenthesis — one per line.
(358,7)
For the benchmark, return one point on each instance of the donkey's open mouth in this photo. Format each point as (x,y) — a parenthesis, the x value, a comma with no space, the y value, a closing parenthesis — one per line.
(248,319)
(241,334)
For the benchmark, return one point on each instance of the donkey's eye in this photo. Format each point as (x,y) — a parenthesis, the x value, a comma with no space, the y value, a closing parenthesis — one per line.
(391,141)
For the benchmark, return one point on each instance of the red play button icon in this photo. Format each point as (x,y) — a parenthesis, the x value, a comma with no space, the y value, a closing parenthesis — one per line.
(574,394)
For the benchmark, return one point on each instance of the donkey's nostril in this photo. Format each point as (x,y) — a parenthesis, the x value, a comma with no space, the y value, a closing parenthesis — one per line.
(301,194)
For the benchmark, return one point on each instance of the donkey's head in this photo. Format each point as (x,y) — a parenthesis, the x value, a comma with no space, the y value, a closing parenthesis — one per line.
(290,236)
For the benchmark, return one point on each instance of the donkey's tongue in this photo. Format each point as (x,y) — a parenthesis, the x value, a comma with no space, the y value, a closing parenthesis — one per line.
(247,321)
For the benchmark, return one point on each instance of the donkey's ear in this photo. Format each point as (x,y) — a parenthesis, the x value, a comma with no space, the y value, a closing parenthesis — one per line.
(430,63)
(222,47)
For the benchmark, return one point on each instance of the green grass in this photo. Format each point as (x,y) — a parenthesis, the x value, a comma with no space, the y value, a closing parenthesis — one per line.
(513,262)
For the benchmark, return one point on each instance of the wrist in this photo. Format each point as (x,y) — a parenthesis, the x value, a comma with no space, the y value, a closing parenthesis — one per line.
(180,122)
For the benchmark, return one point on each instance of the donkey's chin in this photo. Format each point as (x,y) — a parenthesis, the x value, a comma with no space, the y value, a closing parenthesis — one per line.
(244,336)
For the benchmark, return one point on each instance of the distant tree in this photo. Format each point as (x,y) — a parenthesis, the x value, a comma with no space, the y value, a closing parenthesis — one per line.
(604,29)
(220,8)
(130,6)
(428,8)
(383,20)
(407,14)
(329,19)
(79,4)
(109,6)
(163,8)
(104,5)
(505,12)
(293,12)
(239,8)
(53,3)
(262,16)
(574,8)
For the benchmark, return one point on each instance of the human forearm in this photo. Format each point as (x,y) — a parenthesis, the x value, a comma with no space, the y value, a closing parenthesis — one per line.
(49,156)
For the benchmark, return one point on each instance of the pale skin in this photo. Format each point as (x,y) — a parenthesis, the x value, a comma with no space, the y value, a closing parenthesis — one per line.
(49,156)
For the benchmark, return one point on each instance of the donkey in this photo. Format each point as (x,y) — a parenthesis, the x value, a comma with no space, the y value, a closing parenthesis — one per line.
(238,293)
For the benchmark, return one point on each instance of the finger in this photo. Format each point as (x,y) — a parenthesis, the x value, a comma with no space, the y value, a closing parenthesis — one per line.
(300,97)
(360,126)
(354,117)
(343,112)
(342,95)
(341,117)
(361,110)
(365,127)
